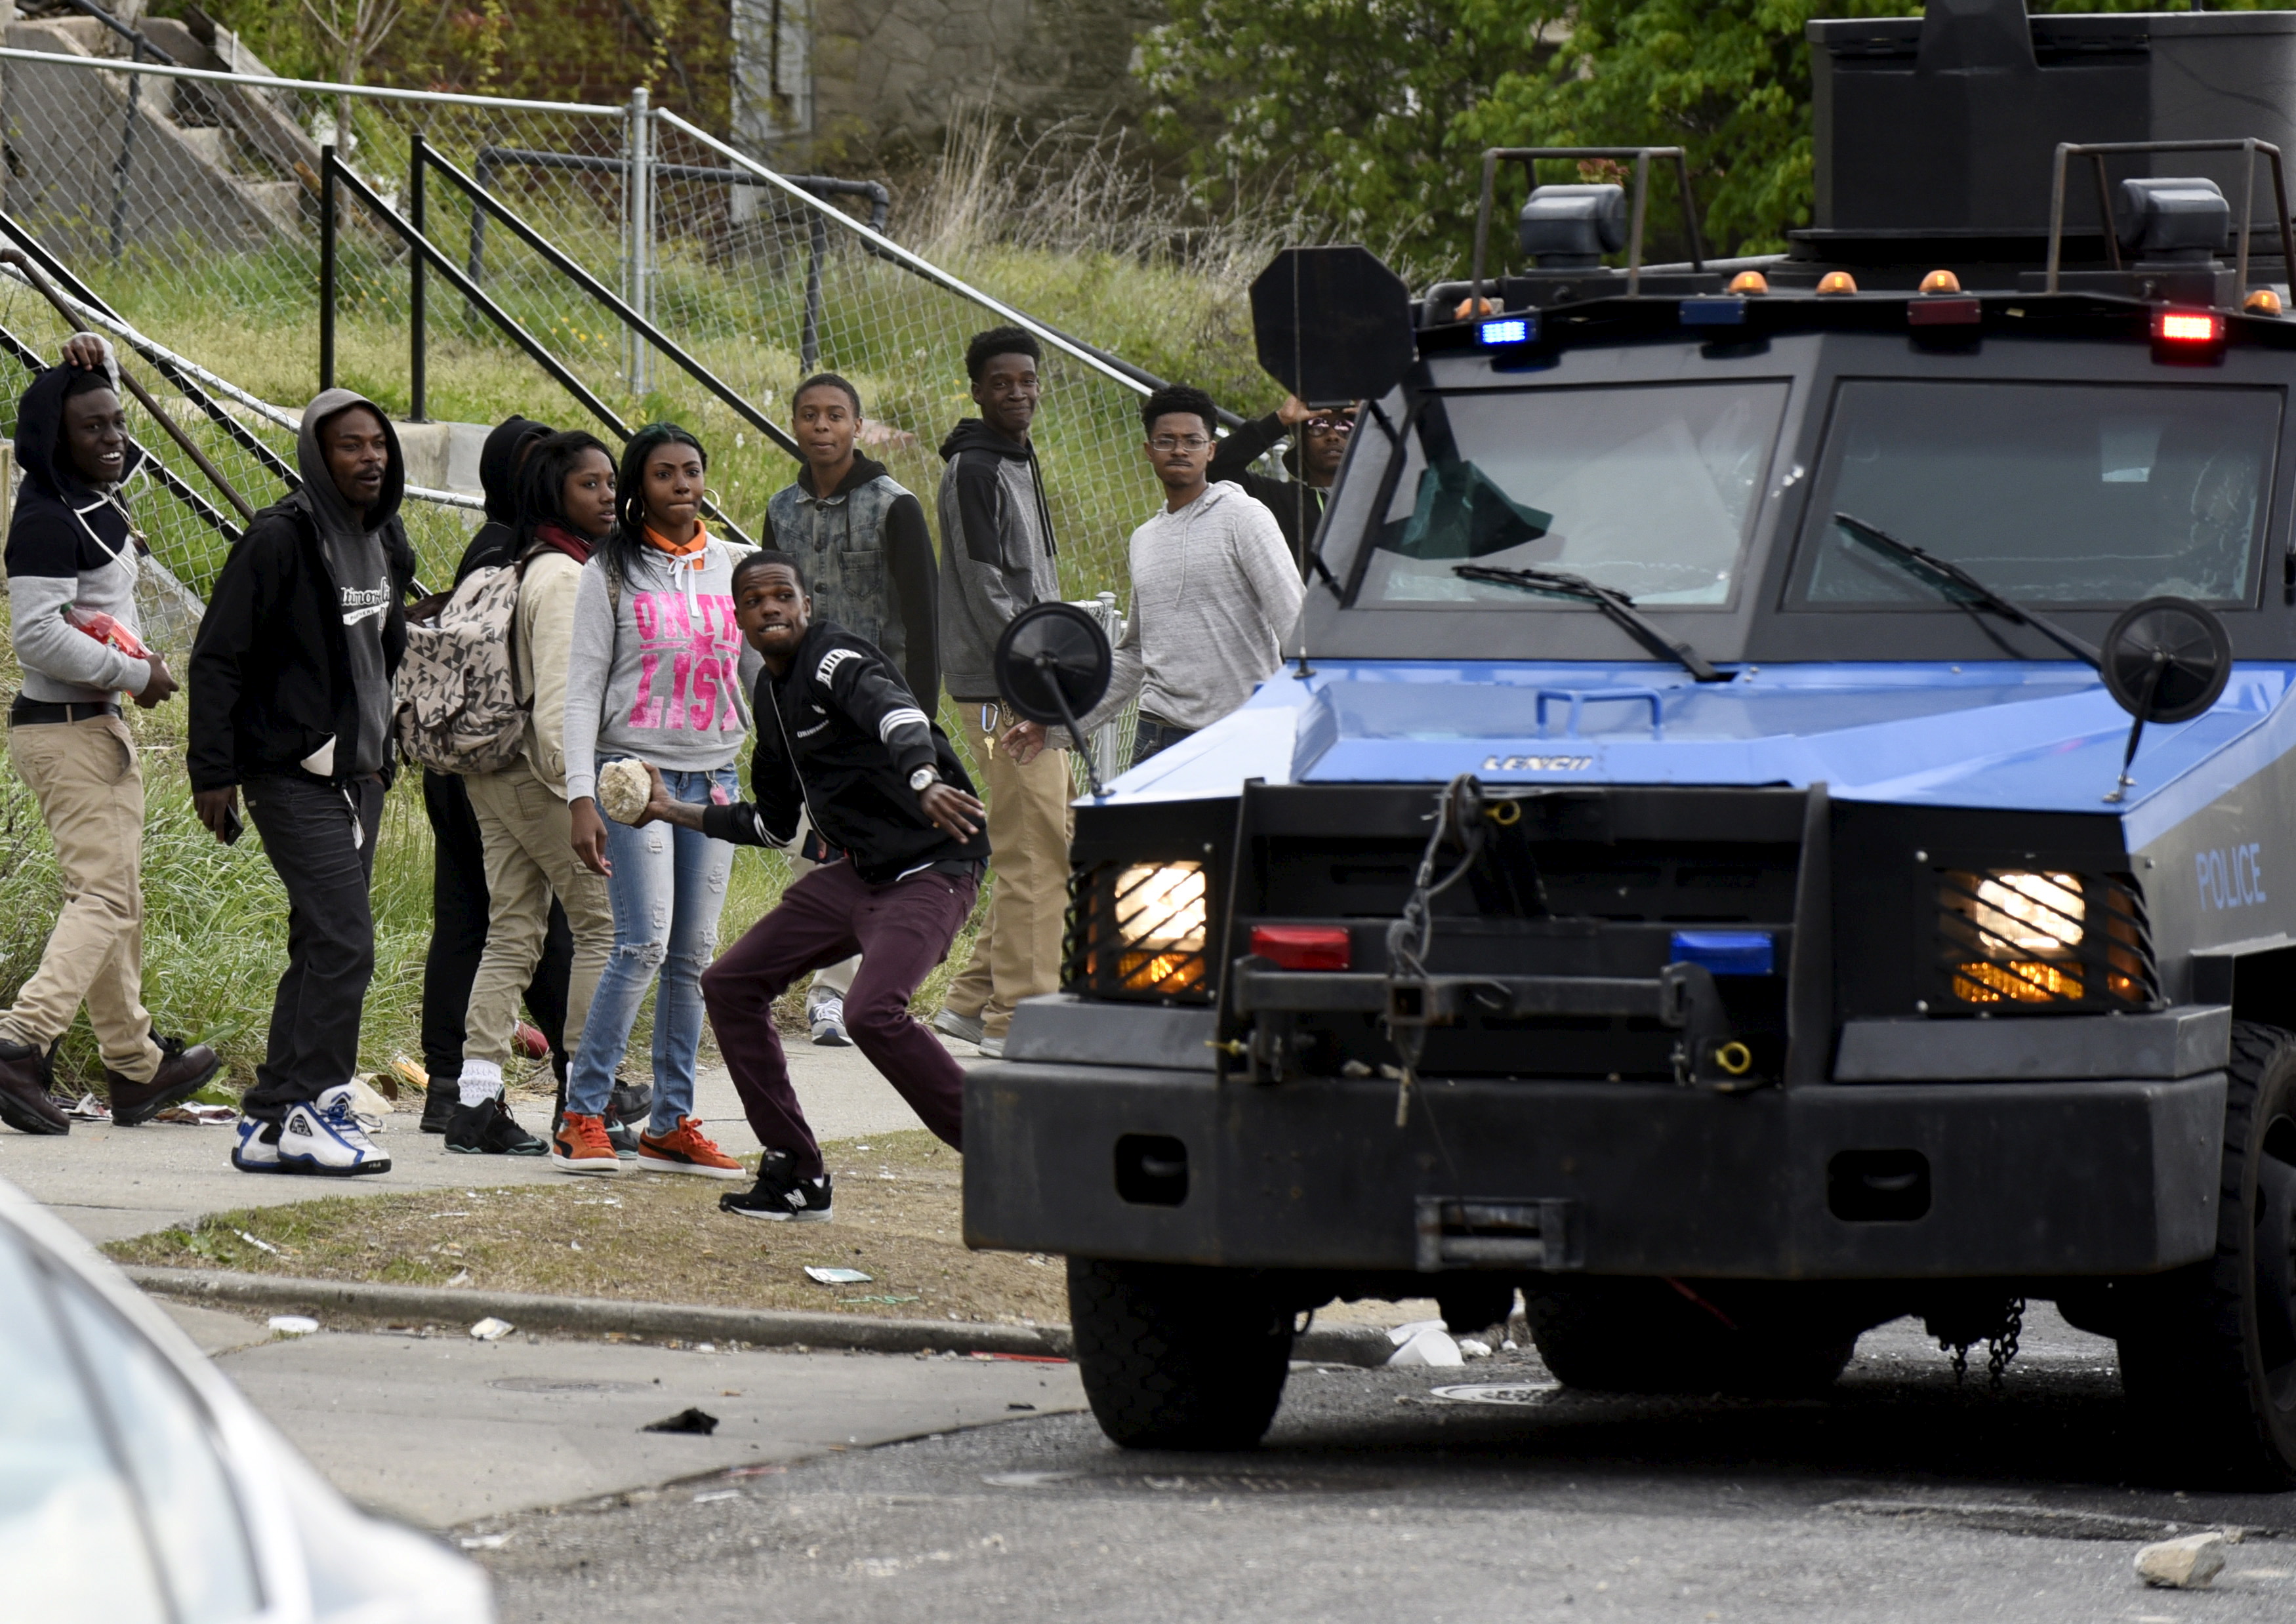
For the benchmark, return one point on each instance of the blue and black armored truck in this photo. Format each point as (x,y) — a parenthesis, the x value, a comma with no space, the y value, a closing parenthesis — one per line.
(1780,809)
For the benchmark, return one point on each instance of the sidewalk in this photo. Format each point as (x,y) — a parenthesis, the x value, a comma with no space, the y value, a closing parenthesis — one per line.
(111,1183)
(441,1429)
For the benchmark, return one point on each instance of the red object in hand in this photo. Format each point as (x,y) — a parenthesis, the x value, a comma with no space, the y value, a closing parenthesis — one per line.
(103,628)
(530,1042)
(1303,947)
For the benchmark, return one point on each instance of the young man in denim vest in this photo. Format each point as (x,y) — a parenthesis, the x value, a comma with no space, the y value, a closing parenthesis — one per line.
(863,543)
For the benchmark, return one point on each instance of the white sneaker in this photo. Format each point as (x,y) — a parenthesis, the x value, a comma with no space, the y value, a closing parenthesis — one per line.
(324,1137)
(965,1029)
(253,1153)
(827,1021)
(992,1049)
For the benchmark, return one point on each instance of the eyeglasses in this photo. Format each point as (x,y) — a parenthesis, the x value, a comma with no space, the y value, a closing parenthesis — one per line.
(1330,426)
(1179,442)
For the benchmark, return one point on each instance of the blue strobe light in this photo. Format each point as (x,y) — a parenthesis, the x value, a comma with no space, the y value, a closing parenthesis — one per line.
(1507,330)
(1726,952)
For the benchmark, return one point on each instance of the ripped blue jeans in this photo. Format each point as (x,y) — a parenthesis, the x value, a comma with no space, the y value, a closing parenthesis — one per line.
(668,887)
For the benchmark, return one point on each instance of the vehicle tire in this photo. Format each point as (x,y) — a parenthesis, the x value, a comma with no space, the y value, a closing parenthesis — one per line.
(2211,1367)
(1176,1356)
(1645,1336)
(1474,1302)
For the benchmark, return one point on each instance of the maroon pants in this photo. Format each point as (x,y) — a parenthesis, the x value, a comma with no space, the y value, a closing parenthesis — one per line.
(901,930)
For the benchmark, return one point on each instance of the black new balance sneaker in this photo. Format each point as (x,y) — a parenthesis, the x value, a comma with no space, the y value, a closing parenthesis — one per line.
(490,1130)
(780,1195)
(441,1099)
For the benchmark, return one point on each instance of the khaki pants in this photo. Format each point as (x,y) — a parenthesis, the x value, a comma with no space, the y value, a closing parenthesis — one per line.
(90,788)
(1017,954)
(528,831)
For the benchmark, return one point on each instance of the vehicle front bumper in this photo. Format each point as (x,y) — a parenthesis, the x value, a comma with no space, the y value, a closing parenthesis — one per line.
(2025,1178)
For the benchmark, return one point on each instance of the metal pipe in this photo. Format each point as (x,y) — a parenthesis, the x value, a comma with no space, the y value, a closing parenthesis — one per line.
(22,261)
(641,233)
(417,148)
(326,268)
(808,342)
(251,81)
(565,266)
(123,164)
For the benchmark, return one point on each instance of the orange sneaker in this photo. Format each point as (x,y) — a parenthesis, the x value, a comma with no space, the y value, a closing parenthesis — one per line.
(685,1149)
(580,1146)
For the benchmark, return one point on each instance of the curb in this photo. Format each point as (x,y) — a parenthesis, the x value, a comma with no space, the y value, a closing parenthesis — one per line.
(759,1328)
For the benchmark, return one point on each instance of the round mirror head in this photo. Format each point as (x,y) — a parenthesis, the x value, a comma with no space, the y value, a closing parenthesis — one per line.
(1051,653)
(2166,659)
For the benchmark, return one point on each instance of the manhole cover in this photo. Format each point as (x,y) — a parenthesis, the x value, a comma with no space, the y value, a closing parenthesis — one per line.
(1500,1392)
(562,1384)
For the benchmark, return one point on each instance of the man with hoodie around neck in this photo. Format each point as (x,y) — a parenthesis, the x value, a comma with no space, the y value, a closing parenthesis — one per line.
(997,559)
(459,859)
(290,706)
(71,555)
(869,561)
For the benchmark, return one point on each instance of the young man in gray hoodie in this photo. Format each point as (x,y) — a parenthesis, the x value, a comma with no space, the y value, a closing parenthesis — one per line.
(290,705)
(996,559)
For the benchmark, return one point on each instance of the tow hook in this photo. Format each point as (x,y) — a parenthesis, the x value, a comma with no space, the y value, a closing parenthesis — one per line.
(1706,1055)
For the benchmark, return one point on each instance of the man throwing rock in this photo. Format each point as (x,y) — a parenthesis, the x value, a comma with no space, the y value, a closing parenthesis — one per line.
(841,735)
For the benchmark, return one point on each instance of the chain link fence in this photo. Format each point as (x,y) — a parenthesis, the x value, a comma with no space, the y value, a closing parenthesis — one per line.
(187,202)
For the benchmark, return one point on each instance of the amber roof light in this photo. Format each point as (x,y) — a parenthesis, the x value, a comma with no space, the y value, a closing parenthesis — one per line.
(1837,282)
(2264,301)
(1750,281)
(1940,282)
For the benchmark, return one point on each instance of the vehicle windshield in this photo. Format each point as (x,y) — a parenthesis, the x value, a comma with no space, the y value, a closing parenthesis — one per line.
(2068,494)
(1650,490)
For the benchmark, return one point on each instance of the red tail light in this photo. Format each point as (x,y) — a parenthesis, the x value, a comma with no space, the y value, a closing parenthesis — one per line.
(2188,327)
(1303,947)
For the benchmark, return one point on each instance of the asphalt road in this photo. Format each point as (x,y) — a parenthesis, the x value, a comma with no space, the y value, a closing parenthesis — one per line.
(1376,1498)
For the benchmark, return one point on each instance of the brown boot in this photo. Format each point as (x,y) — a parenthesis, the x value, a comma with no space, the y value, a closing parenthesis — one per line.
(183,1072)
(24,1103)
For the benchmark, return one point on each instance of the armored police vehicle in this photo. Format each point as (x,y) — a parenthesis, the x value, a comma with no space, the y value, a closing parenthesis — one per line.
(1777,813)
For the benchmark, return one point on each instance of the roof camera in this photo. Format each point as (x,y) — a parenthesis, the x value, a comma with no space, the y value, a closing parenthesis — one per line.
(2183,220)
(1572,227)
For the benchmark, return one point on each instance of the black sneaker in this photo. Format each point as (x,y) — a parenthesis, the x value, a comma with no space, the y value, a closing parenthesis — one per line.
(780,1196)
(440,1101)
(624,1138)
(630,1103)
(490,1130)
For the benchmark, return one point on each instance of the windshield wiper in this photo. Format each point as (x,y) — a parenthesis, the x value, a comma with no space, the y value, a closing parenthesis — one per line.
(1616,604)
(1943,572)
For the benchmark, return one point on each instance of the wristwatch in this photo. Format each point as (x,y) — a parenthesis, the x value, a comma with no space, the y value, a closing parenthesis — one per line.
(922,778)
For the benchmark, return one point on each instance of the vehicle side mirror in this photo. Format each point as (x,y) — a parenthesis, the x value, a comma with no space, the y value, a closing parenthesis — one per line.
(1053,666)
(2165,659)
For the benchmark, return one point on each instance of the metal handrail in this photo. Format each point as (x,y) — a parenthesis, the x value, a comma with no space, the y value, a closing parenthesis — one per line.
(566,266)
(258,81)
(332,168)
(1528,156)
(2099,151)
(885,248)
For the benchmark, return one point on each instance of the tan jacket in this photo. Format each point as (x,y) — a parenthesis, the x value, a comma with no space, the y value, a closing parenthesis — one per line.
(543,639)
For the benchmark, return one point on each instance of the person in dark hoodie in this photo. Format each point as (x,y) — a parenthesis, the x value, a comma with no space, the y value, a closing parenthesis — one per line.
(869,561)
(1319,445)
(71,557)
(998,558)
(458,871)
(839,737)
(290,706)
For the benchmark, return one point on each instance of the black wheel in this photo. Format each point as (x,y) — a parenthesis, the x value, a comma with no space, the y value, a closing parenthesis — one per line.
(2210,1358)
(1648,1336)
(1178,1357)
(1473,1302)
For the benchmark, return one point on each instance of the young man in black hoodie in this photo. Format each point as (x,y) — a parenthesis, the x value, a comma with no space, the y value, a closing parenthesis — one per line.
(869,563)
(458,872)
(291,704)
(841,740)
(72,556)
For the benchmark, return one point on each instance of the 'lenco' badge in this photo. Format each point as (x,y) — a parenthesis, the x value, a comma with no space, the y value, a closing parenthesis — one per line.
(1536,764)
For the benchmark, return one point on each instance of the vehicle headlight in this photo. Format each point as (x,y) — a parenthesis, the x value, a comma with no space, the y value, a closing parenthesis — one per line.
(1161,912)
(2025,936)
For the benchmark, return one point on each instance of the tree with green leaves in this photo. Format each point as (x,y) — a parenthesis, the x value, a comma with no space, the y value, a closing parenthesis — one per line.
(1372,117)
